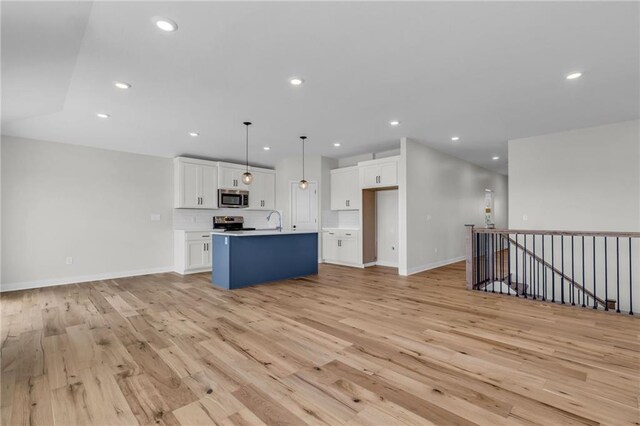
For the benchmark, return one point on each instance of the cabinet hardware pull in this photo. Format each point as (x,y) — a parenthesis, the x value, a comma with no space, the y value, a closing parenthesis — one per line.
(205,236)
(348,235)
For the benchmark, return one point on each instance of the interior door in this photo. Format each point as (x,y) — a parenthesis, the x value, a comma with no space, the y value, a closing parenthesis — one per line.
(304,207)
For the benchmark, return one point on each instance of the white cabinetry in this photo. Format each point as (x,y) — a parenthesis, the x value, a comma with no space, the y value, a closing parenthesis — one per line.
(230,176)
(345,190)
(341,247)
(379,173)
(192,251)
(196,183)
(262,191)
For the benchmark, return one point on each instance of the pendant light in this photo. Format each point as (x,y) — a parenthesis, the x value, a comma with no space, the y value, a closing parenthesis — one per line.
(303,184)
(247,177)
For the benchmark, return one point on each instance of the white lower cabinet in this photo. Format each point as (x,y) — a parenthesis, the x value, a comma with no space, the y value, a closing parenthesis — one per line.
(341,247)
(192,251)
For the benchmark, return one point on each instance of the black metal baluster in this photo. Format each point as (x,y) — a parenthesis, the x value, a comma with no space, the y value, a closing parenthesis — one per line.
(583,293)
(477,244)
(630,281)
(509,262)
(562,263)
(486,261)
(573,277)
(493,263)
(501,257)
(544,272)
(535,281)
(618,273)
(553,271)
(516,257)
(524,267)
(595,294)
(606,277)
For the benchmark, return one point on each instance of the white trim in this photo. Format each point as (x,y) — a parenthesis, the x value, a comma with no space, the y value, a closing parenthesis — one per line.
(389,264)
(192,271)
(81,279)
(428,266)
(337,262)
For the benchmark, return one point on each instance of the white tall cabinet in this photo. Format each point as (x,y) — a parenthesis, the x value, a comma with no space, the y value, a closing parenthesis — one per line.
(195,184)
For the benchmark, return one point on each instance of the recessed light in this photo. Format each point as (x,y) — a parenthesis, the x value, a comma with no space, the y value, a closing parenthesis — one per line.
(102,115)
(121,85)
(394,122)
(455,138)
(296,81)
(495,158)
(166,24)
(194,134)
(574,75)
(337,144)
(267,148)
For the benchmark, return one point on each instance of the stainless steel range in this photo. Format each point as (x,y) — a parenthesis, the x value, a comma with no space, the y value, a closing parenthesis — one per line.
(230,223)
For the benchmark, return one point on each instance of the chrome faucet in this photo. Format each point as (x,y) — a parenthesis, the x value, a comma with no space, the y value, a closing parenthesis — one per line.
(279,227)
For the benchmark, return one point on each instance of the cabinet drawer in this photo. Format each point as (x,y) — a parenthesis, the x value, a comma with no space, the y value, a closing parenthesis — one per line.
(195,236)
(345,235)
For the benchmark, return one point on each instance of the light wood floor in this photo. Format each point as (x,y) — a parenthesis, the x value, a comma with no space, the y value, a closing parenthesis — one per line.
(346,347)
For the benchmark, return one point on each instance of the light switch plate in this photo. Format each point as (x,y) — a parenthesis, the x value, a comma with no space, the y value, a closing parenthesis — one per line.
(155,216)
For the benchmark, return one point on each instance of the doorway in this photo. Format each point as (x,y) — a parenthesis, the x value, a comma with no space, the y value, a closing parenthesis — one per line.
(304,207)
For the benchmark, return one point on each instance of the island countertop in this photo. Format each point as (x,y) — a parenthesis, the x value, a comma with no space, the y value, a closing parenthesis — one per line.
(259,233)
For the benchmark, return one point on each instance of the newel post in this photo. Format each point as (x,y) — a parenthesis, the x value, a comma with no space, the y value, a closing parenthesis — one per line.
(469,255)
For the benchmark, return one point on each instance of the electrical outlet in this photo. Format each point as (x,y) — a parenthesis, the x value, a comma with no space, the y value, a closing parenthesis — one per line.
(525,217)
(155,216)
(428,217)
(435,249)
(69,260)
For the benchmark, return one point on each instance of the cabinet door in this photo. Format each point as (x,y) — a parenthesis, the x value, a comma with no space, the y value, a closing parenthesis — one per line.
(338,200)
(369,176)
(268,191)
(209,187)
(352,190)
(348,250)
(196,254)
(388,174)
(329,246)
(208,253)
(190,195)
(256,191)
(227,178)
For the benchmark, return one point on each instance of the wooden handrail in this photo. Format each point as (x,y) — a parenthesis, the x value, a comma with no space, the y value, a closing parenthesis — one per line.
(566,233)
(545,263)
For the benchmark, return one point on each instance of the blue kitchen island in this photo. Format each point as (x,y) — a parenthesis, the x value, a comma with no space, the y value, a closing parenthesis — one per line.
(244,258)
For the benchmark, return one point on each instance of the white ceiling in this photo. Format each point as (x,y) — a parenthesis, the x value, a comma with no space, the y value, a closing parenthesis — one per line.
(487,72)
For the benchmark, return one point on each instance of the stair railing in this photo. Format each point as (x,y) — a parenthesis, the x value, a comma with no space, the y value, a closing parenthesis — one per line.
(600,270)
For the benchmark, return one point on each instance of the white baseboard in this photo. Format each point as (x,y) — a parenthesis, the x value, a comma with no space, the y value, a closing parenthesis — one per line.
(389,264)
(24,285)
(192,271)
(432,265)
(336,262)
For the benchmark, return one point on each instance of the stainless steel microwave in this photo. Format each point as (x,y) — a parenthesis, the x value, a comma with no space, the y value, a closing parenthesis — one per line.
(233,198)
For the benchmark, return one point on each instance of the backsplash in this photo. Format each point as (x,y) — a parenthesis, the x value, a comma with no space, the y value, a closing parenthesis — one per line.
(341,219)
(197,219)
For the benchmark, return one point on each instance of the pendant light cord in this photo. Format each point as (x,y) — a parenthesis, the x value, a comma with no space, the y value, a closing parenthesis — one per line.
(302,158)
(247,148)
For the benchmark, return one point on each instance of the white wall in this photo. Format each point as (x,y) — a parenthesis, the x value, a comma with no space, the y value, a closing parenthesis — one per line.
(582,180)
(387,228)
(439,195)
(94,205)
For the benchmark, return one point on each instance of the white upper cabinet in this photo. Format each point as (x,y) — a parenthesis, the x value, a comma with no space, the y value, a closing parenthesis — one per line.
(230,176)
(345,190)
(196,183)
(262,191)
(379,173)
